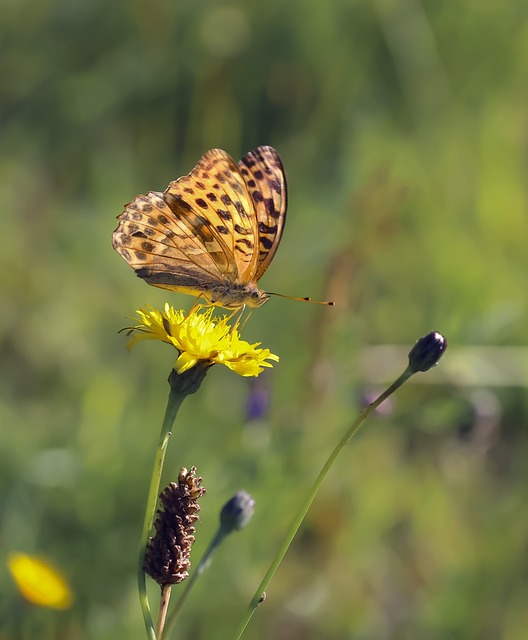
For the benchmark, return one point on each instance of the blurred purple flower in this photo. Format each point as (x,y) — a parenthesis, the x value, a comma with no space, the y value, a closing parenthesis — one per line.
(258,400)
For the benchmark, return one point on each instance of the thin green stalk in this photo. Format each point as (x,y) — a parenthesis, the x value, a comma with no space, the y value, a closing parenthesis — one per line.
(174,402)
(294,527)
(163,608)
(215,542)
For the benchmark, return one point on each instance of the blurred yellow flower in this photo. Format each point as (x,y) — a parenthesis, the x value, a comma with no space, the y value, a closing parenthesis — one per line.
(39,582)
(200,337)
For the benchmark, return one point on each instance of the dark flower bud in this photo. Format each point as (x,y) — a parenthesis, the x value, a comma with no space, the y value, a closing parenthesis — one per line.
(237,512)
(427,352)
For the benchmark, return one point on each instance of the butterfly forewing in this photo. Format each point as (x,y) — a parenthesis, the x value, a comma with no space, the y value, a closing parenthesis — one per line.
(264,175)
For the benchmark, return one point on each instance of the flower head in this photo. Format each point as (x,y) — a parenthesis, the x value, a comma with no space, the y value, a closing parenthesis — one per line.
(200,337)
(39,582)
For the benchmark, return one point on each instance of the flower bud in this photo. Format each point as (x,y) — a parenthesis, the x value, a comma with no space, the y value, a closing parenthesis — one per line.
(427,352)
(237,512)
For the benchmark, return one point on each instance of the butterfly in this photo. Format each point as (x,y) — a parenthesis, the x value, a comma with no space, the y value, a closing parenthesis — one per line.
(212,233)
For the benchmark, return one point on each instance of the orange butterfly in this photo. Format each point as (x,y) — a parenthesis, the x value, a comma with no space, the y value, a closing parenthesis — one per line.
(212,233)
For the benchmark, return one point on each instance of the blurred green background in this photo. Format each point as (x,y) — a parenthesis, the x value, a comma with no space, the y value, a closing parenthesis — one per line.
(403,129)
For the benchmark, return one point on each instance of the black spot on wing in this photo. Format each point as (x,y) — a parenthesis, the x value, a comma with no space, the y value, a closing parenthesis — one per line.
(247,242)
(264,228)
(240,208)
(275,185)
(270,208)
(176,203)
(241,230)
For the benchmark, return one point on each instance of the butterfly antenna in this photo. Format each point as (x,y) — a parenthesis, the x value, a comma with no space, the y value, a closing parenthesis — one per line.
(281,295)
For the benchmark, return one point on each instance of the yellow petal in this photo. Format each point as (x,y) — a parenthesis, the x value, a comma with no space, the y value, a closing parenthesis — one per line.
(185,361)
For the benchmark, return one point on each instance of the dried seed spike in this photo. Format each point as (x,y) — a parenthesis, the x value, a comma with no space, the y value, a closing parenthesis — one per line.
(167,556)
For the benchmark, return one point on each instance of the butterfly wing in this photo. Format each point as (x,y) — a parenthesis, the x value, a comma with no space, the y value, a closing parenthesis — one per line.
(214,200)
(196,237)
(264,176)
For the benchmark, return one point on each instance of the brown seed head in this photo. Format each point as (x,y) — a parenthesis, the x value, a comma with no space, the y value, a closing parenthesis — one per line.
(167,556)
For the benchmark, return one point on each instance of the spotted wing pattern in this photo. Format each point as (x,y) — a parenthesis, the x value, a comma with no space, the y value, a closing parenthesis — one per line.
(215,230)
(264,176)
(220,204)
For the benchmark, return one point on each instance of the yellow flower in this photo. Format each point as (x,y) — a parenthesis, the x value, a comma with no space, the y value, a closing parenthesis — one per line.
(39,582)
(200,337)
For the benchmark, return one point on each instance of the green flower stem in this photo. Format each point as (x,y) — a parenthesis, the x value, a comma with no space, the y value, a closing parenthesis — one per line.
(176,397)
(204,562)
(294,527)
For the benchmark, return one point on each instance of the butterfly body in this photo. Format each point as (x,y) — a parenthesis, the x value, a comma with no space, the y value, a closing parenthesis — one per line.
(222,294)
(212,233)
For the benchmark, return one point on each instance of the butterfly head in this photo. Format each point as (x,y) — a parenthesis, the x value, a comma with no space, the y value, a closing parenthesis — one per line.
(257,298)
(236,296)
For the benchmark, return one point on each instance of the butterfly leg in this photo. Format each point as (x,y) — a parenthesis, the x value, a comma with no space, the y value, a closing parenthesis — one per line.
(238,311)
(246,319)
(239,324)
(195,305)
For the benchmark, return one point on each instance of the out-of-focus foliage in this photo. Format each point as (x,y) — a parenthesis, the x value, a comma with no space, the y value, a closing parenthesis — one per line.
(403,127)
